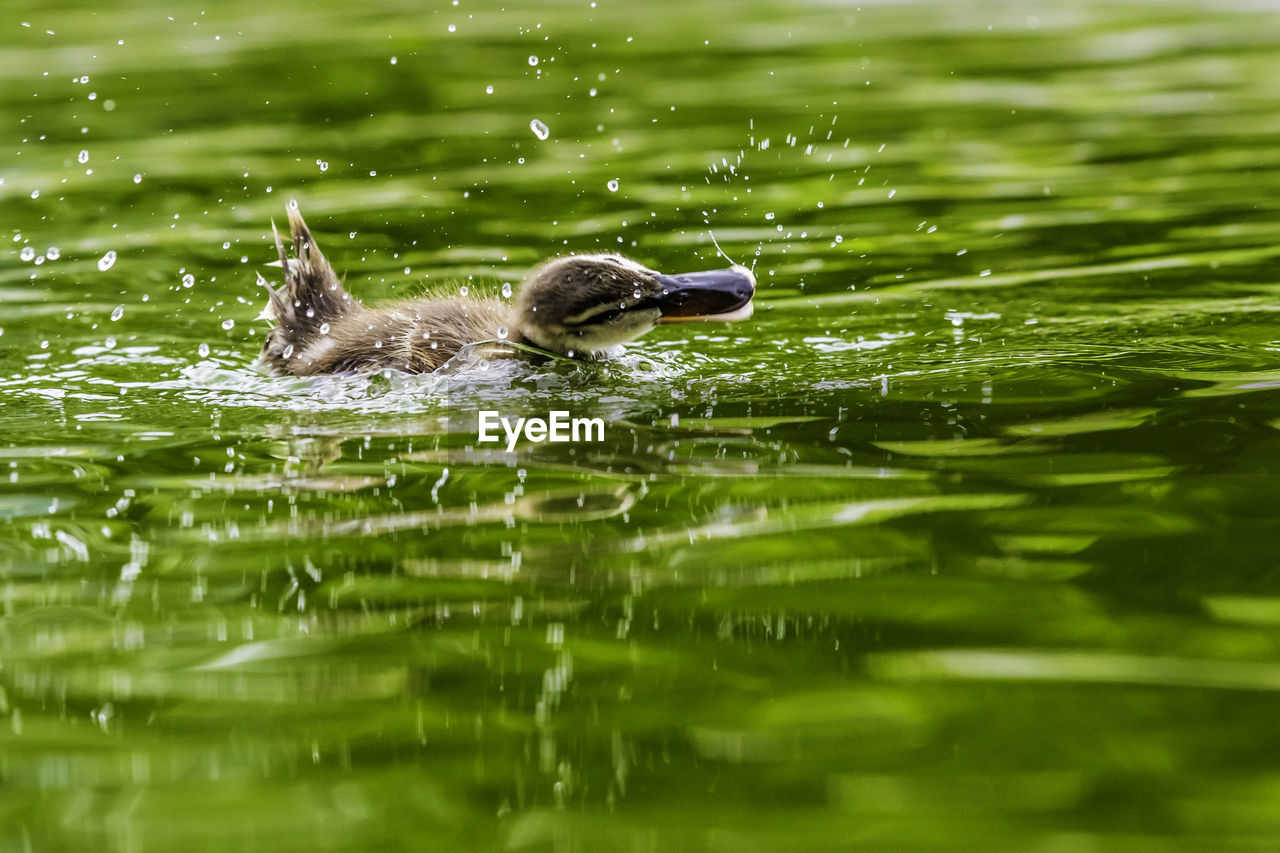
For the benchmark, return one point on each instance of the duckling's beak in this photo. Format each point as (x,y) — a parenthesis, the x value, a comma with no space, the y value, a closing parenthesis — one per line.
(717,295)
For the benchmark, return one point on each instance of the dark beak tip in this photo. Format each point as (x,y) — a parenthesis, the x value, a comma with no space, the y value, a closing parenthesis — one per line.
(706,294)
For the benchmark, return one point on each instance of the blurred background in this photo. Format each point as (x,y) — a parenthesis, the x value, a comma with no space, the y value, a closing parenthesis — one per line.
(967,540)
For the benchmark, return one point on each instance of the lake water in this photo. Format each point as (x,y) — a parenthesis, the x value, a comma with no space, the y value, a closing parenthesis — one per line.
(967,540)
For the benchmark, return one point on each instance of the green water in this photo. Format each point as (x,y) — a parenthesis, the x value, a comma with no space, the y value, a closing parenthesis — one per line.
(967,540)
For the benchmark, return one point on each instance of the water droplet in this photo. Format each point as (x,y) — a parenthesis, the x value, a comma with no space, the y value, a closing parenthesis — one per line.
(769,215)
(35,193)
(453,28)
(107,261)
(288,351)
(117,313)
(53,253)
(613,185)
(83,157)
(464,290)
(636,293)
(27,253)
(203,350)
(502,333)
(377,344)
(506,290)
(102,716)
(323,164)
(137,179)
(533,60)
(228,324)
(488,90)
(324,328)
(539,129)
(188,280)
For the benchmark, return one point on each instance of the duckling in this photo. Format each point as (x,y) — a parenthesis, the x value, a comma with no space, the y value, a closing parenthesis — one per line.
(580,306)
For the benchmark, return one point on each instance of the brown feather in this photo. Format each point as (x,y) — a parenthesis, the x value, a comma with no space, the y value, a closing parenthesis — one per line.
(581,306)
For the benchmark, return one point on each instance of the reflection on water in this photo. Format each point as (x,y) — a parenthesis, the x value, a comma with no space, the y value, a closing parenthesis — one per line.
(967,534)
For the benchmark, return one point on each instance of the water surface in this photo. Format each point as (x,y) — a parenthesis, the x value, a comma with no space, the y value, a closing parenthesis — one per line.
(967,539)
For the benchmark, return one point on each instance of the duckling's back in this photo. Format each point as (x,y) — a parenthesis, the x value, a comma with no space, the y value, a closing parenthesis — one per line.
(321,329)
(416,336)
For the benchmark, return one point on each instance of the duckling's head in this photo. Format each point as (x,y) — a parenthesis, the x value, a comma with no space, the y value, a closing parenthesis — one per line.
(583,305)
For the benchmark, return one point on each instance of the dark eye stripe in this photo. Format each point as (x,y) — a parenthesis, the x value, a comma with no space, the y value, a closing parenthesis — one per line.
(590,316)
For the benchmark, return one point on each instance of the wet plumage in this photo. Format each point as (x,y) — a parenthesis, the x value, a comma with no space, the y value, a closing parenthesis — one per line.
(581,306)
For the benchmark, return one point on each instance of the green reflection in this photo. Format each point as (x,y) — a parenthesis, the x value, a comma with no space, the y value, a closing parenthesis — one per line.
(966,540)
